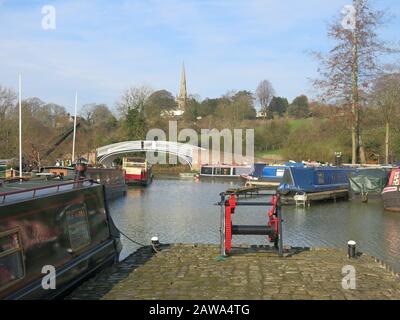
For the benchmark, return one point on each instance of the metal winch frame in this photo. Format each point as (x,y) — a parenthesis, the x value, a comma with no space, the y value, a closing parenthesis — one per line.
(273,229)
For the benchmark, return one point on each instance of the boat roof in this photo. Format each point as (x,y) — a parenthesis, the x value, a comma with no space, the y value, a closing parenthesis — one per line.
(11,192)
(226,166)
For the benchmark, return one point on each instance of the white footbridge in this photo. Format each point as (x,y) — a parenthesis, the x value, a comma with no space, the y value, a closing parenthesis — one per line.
(187,152)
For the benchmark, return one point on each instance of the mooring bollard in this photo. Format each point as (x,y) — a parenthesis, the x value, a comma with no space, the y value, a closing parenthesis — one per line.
(351,249)
(155,243)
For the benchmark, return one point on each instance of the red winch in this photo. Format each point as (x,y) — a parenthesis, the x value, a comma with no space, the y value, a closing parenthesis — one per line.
(273,229)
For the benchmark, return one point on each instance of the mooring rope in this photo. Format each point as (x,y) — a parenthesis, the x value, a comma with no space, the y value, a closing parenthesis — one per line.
(135,242)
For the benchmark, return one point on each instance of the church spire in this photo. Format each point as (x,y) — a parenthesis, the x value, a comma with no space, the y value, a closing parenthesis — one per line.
(182,93)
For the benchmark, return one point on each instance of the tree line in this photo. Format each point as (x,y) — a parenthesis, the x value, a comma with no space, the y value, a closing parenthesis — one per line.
(138,110)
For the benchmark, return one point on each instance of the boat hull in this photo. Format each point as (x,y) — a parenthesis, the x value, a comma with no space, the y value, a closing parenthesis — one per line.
(391,199)
(224,171)
(138,179)
(315,180)
(70,231)
(112,179)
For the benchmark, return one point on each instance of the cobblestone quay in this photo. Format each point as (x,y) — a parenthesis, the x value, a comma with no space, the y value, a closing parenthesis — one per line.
(198,272)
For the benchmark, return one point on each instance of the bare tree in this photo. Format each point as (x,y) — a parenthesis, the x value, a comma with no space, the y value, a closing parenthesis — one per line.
(386,96)
(7,122)
(351,65)
(7,101)
(264,94)
(133,98)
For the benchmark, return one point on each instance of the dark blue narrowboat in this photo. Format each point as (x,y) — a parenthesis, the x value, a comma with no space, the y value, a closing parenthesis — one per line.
(58,229)
(315,179)
(271,175)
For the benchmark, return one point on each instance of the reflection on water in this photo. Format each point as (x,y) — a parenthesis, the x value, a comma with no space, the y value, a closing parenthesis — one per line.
(183,211)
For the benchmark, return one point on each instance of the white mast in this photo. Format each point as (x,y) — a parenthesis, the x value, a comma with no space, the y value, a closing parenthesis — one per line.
(20,125)
(73,141)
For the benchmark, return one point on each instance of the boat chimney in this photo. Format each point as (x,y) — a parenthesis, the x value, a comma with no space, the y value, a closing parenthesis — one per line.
(80,169)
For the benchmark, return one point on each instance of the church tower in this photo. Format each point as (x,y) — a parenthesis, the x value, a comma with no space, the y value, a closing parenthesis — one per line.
(182,98)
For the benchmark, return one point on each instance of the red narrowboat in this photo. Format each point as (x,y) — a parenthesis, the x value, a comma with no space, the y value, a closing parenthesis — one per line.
(391,194)
(137,171)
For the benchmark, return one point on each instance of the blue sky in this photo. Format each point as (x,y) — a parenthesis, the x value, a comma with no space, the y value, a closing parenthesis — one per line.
(101,48)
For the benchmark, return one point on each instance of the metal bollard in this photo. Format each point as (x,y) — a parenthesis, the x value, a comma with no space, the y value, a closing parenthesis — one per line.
(351,249)
(155,244)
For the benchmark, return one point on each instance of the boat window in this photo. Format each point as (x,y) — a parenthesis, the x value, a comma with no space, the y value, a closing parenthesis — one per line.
(206,170)
(217,171)
(321,178)
(11,260)
(280,172)
(78,228)
(225,171)
(233,173)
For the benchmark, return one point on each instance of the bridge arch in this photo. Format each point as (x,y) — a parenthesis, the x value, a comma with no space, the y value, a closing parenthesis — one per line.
(187,152)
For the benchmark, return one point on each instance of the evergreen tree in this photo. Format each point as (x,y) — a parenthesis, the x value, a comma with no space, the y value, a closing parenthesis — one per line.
(300,107)
(278,105)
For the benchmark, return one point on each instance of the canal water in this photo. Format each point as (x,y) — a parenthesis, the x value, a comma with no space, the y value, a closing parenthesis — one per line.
(183,211)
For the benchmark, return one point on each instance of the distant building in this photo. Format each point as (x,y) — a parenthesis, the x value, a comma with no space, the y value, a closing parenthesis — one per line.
(261,114)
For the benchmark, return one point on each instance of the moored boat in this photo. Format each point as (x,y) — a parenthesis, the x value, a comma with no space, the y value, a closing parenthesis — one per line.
(391,194)
(315,179)
(268,175)
(112,178)
(368,183)
(5,169)
(53,232)
(137,171)
(225,171)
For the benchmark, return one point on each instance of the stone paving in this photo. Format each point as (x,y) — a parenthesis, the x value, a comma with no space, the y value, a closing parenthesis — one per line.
(251,273)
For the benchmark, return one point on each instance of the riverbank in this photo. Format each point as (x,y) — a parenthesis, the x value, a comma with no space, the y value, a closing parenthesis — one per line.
(170,170)
(255,273)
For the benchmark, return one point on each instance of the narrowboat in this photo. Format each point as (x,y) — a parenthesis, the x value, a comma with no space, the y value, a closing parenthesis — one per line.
(138,171)
(53,235)
(315,179)
(5,169)
(112,178)
(367,183)
(391,194)
(268,175)
(225,171)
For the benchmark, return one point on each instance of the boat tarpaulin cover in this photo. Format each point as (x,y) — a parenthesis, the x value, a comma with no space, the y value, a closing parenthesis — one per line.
(369,180)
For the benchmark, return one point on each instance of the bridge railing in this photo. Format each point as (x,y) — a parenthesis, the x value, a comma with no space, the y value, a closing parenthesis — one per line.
(180,149)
